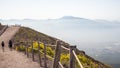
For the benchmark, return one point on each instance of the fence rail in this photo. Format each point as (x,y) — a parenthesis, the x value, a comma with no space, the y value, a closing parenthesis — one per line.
(77,59)
(65,48)
(60,65)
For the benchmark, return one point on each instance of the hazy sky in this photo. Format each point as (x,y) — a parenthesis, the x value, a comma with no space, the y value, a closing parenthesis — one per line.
(44,9)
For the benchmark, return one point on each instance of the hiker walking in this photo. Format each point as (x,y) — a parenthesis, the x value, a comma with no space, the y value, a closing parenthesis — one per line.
(10,44)
(3,44)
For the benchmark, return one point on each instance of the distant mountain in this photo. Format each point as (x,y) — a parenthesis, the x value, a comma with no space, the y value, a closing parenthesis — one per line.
(33,20)
(70,17)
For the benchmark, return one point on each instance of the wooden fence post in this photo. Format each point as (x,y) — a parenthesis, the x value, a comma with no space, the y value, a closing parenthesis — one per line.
(32,52)
(27,52)
(45,63)
(25,49)
(39,55)
(57,55)
(72,58)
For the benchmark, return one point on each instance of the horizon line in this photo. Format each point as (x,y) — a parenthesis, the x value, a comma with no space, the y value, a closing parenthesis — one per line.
(55,18)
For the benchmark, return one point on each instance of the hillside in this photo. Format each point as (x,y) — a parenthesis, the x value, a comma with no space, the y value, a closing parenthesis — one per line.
(27,34)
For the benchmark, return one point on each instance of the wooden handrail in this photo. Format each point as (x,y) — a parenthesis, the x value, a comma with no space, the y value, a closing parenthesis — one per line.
(60,65)
(61,46)
(77,59)
(65,48)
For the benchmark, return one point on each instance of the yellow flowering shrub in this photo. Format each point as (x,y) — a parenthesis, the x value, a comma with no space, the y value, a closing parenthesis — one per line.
(20,48)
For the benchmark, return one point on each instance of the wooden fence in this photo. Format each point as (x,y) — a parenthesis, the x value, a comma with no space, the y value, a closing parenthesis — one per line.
(56,59)
(72,53)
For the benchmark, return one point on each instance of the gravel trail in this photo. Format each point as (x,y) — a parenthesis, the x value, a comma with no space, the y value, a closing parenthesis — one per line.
(14,59)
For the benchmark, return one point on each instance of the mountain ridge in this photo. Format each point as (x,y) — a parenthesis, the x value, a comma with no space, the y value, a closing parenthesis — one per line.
(64,17)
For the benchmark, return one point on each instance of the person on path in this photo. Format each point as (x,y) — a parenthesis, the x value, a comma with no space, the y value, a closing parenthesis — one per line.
(10,44)
(3,44)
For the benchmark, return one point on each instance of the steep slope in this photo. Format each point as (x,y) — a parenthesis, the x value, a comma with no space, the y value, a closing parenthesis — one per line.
(27,34)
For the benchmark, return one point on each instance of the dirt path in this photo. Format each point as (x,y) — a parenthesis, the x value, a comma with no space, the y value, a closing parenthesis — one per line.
(13,59)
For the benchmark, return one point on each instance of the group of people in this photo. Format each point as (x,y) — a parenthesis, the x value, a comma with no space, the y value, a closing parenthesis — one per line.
(9,45)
